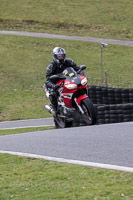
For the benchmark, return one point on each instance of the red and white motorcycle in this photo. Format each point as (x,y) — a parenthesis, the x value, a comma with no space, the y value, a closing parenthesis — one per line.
(72,99)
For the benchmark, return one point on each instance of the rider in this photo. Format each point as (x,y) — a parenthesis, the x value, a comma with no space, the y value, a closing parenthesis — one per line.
(58,65)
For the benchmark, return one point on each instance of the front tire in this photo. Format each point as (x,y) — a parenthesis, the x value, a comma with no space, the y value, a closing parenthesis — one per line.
(61,122)
(89,115)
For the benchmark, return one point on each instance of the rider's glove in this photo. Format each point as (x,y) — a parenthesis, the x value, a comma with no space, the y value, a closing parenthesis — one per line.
(81,72)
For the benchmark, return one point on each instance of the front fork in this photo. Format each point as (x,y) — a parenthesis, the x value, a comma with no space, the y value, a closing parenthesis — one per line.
(80,108)
(78,102)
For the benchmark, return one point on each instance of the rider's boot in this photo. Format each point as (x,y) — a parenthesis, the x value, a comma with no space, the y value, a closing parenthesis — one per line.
(54,108)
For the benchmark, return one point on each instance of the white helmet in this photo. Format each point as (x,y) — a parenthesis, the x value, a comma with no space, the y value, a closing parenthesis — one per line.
(59,55)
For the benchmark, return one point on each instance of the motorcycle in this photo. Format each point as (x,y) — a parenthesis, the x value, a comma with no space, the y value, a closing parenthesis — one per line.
(72,100)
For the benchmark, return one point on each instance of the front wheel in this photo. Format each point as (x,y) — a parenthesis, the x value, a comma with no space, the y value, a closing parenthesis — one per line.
(61,122)
(89,115)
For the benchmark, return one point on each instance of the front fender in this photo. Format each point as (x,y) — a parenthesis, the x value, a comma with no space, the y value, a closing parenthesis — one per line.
(79,99)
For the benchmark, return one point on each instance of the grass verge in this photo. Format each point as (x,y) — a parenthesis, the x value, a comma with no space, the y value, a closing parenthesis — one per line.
(16,105)
(32,179)
(24,130)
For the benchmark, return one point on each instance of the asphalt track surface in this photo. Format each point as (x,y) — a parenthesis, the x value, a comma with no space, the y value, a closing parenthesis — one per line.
(66,37)
(102,146)
(27,123)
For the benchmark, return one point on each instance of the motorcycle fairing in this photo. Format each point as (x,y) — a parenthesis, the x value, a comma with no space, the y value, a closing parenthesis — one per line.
(71,75)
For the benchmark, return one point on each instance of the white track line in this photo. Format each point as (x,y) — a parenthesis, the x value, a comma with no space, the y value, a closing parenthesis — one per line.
(75,162)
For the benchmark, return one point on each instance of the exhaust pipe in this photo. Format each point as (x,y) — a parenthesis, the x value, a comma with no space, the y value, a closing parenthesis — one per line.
(49,109)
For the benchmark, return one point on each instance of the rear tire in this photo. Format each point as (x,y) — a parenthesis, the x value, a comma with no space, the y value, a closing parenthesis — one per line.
(89,115)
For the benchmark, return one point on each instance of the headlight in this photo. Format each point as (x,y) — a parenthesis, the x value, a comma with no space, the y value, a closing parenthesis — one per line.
(71,86)
(84,81)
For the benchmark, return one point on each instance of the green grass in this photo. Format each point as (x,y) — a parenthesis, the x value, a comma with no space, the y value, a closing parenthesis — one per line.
(23,66)
(32,179)
(24,60)
(99,18)
(24,130)
(16,105)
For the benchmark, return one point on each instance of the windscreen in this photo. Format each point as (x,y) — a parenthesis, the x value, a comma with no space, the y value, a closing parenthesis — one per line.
(69,72)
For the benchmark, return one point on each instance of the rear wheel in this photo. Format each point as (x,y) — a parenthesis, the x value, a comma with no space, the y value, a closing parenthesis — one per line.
(89,115)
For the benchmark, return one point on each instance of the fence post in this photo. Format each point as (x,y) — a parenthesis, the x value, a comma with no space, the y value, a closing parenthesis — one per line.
(127,84)
(103,45)
(106,81)
(117,81)
(22,83)
(8,75)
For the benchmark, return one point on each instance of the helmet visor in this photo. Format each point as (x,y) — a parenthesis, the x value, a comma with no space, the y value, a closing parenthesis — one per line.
(61,56)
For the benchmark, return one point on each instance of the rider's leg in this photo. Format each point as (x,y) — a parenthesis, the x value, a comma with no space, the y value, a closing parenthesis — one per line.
(53,100)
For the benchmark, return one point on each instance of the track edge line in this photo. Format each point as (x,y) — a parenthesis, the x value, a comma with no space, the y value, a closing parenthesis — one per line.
(69,161)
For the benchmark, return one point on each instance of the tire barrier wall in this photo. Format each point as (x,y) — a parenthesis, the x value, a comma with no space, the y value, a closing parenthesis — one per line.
(114,113)
(112,105)
(105,95)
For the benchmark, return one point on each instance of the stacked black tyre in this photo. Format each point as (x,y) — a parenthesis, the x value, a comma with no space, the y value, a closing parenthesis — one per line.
(92,93)
(131,95)
(114,113)
(105,95)
(112,105)
(118,96)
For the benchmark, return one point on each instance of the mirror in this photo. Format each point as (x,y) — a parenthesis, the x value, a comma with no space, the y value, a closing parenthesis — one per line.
(82,67)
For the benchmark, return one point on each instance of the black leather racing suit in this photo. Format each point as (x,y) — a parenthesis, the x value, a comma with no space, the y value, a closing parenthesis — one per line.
(53,69)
